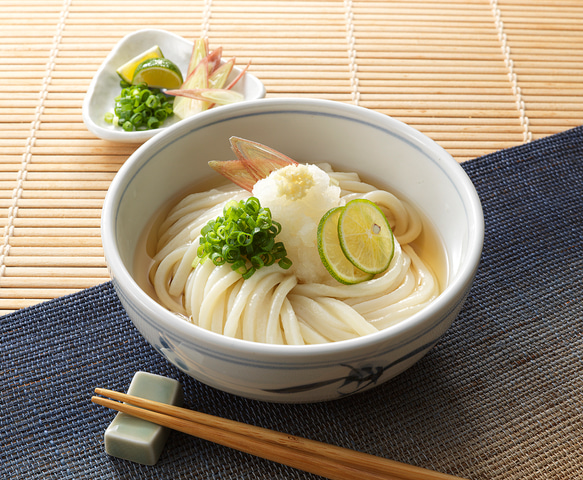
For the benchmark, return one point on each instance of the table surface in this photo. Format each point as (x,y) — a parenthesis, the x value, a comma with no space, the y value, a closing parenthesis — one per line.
(498,397)
(476,76)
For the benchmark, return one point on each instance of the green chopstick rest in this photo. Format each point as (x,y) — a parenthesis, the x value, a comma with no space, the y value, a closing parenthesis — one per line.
(138,440)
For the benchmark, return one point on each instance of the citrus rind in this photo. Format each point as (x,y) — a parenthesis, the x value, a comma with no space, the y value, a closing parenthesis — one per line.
(127,70)
(159,73)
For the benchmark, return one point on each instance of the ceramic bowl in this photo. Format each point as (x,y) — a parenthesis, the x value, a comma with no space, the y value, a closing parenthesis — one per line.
(105,84)
(350,138)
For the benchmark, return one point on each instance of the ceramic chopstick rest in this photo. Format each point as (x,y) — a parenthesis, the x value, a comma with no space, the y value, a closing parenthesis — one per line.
(138,440)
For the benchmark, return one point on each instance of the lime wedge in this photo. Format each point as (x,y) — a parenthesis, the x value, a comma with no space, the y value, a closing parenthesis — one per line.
(365,236)
(331,252)
(126,71)
(158,72)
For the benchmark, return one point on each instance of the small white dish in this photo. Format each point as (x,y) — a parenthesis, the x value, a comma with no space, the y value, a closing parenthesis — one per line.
(105,84)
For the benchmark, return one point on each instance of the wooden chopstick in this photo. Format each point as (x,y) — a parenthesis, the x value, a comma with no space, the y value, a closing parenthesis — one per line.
(322,459)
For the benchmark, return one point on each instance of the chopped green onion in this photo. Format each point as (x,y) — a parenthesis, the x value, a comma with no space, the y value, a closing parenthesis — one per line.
(243,237)
(138,107)
(136,119)
(249,272)
(161,114)
(153,122)
(285,263)
(237,266)
(144,95)
(217,258)
(153,102)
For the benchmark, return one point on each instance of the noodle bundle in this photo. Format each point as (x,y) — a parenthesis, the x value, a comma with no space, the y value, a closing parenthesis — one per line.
(280,306)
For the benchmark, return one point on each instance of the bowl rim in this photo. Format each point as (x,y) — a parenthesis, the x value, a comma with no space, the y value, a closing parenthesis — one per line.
(447,301)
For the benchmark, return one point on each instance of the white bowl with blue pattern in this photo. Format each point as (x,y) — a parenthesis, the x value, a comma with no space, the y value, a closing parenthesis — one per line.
(351,138)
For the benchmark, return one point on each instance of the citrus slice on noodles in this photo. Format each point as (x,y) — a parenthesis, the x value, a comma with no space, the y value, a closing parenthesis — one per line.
(127,70)
(365,236)
(331,252)
(158,72)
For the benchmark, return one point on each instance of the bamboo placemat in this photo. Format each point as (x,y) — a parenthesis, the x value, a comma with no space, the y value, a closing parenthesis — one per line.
(475,75)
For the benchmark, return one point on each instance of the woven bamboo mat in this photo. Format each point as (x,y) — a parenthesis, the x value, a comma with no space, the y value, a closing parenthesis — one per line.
(475,75)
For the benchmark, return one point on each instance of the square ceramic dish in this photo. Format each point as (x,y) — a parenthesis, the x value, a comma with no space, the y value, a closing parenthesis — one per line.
(105,84)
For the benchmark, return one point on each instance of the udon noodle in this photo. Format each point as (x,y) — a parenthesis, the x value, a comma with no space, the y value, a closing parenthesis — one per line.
(275,305)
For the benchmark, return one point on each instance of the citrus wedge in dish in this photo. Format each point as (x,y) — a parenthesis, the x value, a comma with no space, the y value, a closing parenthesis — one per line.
(365,236)
(127,70)
(158,72)
(331,252)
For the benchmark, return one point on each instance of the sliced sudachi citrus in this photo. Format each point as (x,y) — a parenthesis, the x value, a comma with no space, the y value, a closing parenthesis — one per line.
(158,72)
(331,252)
(127,70)
(365,236)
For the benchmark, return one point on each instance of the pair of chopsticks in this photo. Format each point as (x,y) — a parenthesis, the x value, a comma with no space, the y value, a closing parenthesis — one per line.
(322,459)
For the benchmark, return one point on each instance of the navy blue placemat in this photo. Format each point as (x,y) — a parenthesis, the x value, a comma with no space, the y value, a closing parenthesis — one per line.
(500,396)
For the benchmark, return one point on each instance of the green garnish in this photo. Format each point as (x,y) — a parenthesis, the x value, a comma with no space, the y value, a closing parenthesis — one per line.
(138,107)
(244,237)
